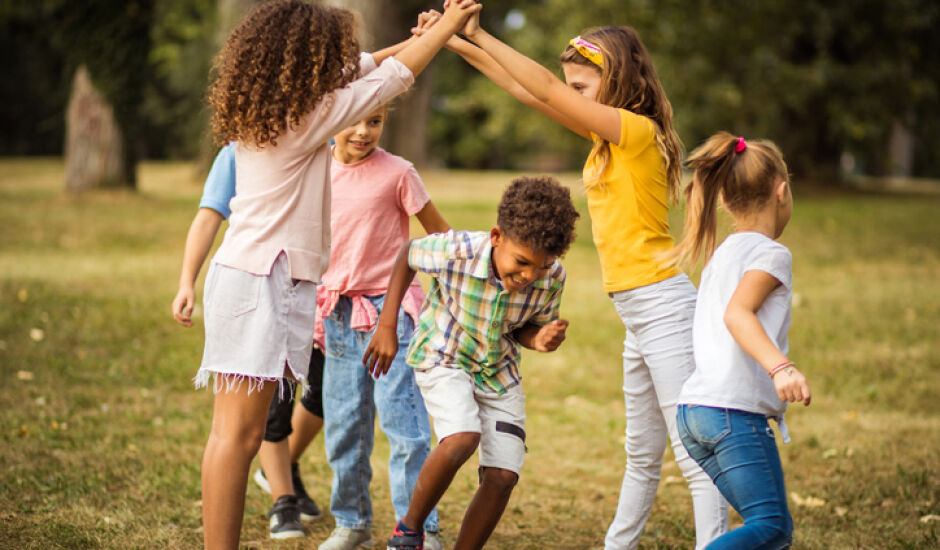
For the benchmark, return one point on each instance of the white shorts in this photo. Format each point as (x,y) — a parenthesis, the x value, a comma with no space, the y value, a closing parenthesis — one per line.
(457,404)
(256,324)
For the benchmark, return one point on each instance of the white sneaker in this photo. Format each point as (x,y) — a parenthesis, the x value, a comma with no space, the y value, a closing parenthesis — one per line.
(262,481)
(344,538)
(432,541)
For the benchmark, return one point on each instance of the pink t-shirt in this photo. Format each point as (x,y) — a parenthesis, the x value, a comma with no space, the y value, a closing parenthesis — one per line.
(372,200)
(282,194)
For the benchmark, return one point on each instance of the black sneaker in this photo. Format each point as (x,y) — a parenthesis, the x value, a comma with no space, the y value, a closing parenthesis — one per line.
(308,508)
(285,519)
(405,541)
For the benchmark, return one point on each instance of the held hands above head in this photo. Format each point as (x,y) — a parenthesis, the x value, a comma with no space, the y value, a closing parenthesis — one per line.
(790,384)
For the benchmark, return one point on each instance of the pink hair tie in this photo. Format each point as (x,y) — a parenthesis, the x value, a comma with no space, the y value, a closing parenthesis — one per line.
(741,145)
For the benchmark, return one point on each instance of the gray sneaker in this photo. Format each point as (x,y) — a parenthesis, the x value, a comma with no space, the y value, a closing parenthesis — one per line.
(432,541)
(344,538)
(285,519)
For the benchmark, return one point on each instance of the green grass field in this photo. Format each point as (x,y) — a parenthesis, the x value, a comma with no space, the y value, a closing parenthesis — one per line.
(102,433)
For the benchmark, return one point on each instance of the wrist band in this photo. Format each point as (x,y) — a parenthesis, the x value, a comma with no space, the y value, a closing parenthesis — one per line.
(779,368)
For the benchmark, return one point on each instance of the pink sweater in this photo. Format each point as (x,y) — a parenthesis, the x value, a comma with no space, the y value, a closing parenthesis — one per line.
(282,196)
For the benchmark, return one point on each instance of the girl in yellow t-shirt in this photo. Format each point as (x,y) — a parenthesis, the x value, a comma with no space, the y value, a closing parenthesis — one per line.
(614,98)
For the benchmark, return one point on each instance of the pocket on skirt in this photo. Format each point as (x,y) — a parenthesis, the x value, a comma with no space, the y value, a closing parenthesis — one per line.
(239,291)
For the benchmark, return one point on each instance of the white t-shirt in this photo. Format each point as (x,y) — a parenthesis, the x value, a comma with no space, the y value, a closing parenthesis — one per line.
(725,375)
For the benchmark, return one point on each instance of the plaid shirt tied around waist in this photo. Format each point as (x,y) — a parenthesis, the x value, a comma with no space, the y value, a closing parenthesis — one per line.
(468,318)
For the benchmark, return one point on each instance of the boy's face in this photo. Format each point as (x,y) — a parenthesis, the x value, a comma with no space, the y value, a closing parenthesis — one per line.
(356,142)
(516,264)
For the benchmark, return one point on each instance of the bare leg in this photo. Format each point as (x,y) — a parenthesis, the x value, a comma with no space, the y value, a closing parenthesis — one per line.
(486,508)
(305,427)
(275,461)
(237,429)
(437,474)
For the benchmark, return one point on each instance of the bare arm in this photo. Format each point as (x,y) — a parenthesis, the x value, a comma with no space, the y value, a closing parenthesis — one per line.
(199,241)
(586,114)
(416,55)
(542,338)
(742,322)
(431,219)
(384,344)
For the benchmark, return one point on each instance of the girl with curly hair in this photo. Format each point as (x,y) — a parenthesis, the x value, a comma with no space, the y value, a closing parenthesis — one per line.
(289,77)
(614,99)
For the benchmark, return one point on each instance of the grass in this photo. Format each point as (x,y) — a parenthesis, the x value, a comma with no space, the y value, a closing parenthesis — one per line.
(102,433)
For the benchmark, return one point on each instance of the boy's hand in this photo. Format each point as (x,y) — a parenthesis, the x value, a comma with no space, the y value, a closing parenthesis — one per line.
(426,20)
(381,351)
(550,336)
(791,386)
(183,306)
(457,12)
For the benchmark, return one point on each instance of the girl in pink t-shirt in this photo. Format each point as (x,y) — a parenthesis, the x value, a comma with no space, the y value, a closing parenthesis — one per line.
(287,79)
(373,195)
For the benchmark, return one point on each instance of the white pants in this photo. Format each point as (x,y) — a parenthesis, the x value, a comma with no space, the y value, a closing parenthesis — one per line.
(657,359)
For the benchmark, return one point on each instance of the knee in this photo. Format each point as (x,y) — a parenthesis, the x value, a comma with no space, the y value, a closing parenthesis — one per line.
(498,479)
(245,440)
(459,447)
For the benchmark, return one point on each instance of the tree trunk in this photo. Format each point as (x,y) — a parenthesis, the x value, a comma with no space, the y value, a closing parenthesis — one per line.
(384,23)
(94,146)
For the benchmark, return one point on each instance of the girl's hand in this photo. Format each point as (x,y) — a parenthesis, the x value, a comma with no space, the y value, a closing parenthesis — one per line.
(426,20)
(458,11)
(550,336)
(381,351)
(791,386)
(183,306)
(473,22)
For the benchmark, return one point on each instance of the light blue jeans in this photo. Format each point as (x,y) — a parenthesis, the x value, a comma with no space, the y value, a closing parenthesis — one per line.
(351,398)
(738,451)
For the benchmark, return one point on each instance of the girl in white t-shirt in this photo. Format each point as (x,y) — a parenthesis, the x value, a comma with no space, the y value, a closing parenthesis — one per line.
(742,374)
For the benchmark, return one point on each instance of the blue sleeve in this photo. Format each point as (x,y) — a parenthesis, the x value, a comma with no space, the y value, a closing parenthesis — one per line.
(220,185)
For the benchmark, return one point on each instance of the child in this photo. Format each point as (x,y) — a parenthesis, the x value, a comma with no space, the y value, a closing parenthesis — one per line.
(489,294)
(285,439)
(742,374)
(287,79)
(373,194)
(613,98)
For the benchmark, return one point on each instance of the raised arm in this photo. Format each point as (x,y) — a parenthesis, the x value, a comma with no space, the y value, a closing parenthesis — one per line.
(417,54)
(384,344)
(585,114)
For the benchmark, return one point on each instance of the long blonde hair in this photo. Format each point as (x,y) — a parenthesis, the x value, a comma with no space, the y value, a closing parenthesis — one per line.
(629,81)
(742,174)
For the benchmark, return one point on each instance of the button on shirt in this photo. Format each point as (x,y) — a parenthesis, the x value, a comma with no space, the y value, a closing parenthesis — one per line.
(468,318)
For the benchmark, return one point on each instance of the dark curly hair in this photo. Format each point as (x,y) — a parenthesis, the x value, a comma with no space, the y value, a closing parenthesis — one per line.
(277,65)
(537,211)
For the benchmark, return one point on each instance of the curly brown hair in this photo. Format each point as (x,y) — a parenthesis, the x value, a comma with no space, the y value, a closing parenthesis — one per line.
(275,67)
(537,211)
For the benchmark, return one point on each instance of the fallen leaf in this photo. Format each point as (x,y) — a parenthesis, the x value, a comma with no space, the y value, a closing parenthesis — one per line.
(887,503)
(24,375)
(808,502)
(41,400)
(929,517)
(670,480)
(850,415)
(22,295)
(841,511)
(829,453)
(37,334)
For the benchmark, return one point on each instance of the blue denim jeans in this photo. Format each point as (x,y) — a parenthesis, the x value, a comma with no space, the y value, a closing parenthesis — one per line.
(351,399)
(738,451)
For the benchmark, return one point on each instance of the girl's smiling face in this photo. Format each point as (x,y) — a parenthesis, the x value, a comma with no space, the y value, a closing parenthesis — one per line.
(357,142)
(584,79)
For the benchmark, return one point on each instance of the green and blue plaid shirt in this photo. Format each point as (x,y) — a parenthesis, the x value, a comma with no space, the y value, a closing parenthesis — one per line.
(468,318)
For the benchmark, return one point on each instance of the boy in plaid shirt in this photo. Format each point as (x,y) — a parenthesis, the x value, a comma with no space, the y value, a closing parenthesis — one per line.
(490,293)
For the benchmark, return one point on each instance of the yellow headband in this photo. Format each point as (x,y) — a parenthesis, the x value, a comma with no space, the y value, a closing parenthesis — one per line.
(590,52)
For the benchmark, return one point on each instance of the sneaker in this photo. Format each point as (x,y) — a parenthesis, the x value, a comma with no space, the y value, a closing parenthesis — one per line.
(344,538)
(285,519)
(410,541)
(432,541)
(262,481)
(308,508)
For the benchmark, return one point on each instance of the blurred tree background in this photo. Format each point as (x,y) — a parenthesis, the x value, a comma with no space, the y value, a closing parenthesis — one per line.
(843,87)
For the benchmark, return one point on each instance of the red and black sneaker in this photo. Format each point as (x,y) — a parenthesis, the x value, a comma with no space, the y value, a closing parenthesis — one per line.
(405,539)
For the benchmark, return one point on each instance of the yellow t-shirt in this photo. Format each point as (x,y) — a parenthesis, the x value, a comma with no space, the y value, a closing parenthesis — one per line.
(629,208)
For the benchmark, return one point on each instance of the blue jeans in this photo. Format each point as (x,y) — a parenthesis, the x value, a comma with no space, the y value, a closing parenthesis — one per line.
(738,451)
(351,398)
